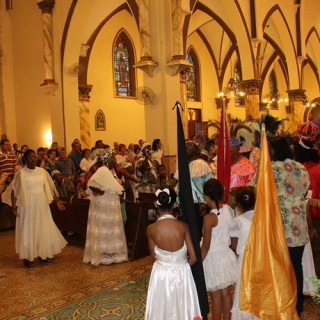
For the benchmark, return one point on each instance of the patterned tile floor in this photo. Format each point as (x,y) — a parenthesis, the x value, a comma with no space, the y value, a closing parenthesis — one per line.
(69,289)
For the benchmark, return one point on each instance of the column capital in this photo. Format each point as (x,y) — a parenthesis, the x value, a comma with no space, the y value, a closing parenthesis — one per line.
(84,91)
(251,87)
(297,95)
(46,6)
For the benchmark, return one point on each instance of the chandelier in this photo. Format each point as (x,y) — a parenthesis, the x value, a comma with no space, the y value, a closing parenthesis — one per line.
(233,88)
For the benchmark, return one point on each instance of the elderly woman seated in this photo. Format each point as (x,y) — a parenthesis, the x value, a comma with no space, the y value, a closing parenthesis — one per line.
(65,187)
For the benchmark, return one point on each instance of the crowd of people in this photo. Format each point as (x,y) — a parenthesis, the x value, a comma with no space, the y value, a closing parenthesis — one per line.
(105,174)
(102,175)
(224,228)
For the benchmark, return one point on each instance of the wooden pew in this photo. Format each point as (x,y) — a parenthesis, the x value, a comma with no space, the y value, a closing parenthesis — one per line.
(74,218)
(139,216)
(7,218)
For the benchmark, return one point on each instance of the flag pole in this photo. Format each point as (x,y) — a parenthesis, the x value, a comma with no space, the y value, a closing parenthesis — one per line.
(189,214)
(224,154)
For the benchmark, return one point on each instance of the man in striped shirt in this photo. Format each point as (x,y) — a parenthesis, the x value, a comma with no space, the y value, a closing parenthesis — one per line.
(8,159)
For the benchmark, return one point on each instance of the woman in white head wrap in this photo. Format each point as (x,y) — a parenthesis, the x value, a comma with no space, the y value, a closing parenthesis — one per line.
(105,241)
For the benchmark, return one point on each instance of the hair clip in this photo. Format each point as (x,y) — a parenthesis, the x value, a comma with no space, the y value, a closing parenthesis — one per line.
(167,191)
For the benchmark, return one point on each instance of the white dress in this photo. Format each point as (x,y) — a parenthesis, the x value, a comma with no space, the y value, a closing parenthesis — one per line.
(36,233)
(172,294)
(309,288)
(105,240)
(240,228)
(220,264)
(157,156)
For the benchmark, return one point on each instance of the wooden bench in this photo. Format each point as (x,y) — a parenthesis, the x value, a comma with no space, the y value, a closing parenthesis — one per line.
(74,218)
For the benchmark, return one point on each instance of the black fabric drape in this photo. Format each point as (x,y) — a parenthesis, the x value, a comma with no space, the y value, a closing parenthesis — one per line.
(189,215)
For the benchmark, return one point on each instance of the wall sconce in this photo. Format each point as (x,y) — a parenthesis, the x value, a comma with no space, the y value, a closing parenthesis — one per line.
(48,137)
(275,100)
(219,100)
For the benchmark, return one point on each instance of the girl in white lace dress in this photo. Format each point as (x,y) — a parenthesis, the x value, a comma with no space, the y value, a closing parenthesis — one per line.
(239,230)
(219,261)
(172,293)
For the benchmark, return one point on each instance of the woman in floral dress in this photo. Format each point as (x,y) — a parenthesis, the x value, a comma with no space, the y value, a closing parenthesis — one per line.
(292,180)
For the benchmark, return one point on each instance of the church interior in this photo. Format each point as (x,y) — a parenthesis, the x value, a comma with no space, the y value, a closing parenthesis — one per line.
(114,70)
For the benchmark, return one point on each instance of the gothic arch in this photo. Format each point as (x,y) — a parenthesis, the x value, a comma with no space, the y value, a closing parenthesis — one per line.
(282,43)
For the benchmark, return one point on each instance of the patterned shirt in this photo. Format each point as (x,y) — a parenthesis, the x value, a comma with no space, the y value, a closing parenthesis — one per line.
(8,162)
(292,180)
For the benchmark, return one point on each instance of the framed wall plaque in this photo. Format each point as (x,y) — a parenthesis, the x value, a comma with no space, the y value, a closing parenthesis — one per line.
(100,121)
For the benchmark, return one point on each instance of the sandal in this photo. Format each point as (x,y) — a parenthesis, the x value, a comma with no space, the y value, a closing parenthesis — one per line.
(28,263)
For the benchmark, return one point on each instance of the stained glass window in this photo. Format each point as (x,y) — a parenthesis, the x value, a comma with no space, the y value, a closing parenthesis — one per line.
(122,69)
(192,77)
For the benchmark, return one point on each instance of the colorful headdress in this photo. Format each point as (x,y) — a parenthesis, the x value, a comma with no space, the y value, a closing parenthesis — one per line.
(108,155)
(308,130)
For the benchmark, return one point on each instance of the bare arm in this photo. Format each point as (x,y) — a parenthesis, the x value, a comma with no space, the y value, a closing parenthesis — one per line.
(14,203)
(129,176)
(191,252)
(209,221)
(234,243)
(151,243)
(60,203)
(312,231)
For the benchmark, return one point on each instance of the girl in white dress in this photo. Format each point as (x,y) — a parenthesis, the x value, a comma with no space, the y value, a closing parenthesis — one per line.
(219,261)
(37,236)
(239,230)
(172,293)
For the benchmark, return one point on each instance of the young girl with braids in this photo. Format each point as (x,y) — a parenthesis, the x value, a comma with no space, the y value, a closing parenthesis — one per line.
(239,230)
(172,292)
(219,261)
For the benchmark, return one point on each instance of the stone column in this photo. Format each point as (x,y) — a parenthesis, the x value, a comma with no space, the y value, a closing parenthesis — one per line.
(46,7)
(178,62)
(252,88)
(296,100)
(146,63)
(84,111)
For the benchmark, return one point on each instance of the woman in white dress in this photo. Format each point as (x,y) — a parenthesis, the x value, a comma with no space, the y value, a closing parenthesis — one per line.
(86,162)
(106,240)
(172,292)
(157,152)
(37,236)
(239,230)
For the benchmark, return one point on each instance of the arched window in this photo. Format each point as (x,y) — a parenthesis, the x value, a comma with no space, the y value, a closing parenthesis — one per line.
(123,60)
(192,77)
